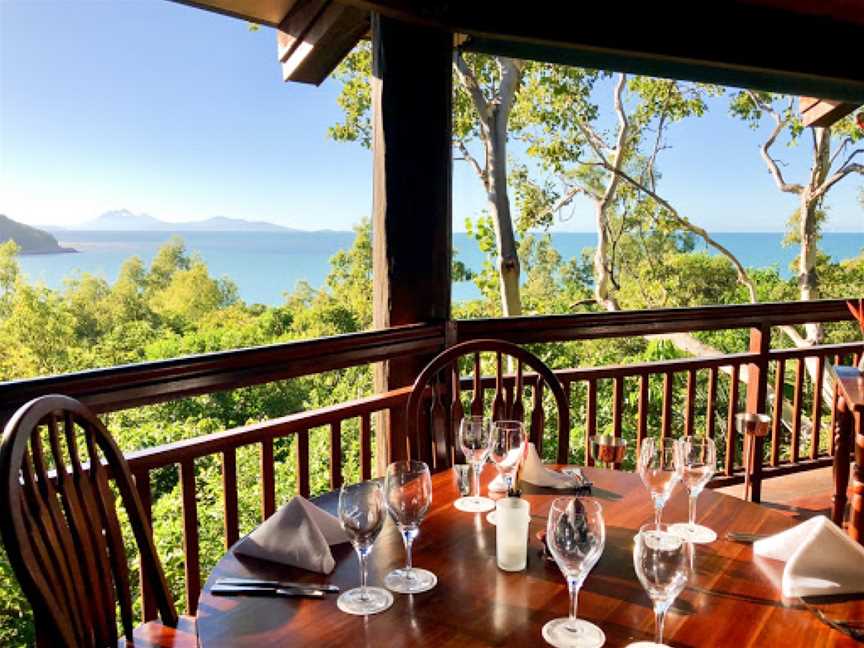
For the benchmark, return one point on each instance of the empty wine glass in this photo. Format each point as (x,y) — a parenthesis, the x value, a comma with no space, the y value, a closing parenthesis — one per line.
(509,444)
(659,471)
(475,439)
(662,564)
(361,514)
(575,535)
(698,459)
(408,494)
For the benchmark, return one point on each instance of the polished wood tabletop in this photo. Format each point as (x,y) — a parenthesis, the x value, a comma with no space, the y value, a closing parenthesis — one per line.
(732,599)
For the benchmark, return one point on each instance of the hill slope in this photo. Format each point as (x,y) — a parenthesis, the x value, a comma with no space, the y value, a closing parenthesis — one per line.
(29,239)
(124,220)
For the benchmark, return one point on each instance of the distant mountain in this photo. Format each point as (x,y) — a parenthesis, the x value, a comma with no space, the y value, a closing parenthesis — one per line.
(123,220)
(29,239)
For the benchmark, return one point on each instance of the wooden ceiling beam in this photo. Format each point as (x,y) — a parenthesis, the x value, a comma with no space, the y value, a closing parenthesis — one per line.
(823,112)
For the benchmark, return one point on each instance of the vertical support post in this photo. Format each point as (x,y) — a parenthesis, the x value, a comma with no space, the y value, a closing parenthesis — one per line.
(757,396)
(412,86)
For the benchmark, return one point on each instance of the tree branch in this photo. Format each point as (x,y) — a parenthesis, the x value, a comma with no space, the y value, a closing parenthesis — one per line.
(470,159)
(773,167)
(470,83)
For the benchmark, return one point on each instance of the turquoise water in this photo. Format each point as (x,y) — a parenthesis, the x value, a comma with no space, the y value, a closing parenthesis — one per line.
(265,265)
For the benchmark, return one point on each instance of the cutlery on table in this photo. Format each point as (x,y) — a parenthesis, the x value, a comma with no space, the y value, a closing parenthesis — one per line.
(271,584)
(745,538)
(288,592)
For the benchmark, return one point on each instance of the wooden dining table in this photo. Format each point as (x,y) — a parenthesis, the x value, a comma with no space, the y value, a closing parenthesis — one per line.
(732,599)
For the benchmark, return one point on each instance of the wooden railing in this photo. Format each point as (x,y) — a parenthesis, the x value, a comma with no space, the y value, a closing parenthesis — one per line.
(710,388)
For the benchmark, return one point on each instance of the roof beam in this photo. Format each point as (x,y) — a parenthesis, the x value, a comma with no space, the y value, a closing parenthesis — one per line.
(823,112)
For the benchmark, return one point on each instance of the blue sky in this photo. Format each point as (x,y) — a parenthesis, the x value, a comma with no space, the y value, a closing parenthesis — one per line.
(160,108)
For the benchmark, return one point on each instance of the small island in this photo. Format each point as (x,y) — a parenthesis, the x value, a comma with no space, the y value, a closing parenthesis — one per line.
(30,239)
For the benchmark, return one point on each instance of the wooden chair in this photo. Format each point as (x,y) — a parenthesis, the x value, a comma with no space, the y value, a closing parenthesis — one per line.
(431,431)
(61,532)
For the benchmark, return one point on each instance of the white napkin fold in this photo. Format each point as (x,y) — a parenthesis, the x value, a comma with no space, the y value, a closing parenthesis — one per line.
(510,463)
(298,534)
(534,472)
(820,559)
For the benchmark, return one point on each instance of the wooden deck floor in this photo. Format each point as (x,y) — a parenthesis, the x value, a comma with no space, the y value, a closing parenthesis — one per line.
(800,495)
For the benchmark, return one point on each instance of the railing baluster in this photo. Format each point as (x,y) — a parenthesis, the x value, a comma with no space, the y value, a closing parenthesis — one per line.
(617,406)
(731,432)
(303,462)
(498,404)
(477,396)
(690,402)
(711,404)
(834,399)
(796,411)
(148,602)
(642,425)
(816,417)
(336,455)
(666,421)
(517,412)
(457,412)
(229,497)
(268,480)
(538,416)
(365,446)
(192,566)
(777,423)
(590,419)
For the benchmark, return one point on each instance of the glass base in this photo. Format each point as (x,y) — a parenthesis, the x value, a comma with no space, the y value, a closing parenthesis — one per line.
(420,580)
(474,504)
(492,517)
(585,634)
(646,644)
(696,534)
(377,600)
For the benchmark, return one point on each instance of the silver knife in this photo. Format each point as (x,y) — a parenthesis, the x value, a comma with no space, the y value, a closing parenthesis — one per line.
(258,582)
(745,538)
(288,592)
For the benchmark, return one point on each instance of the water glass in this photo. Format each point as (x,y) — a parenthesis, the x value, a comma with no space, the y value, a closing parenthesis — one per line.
(408,494)
(662,563)
(475,439)
(660,471)
(509,443)
(698,457)
(513,516)
(361,514)
(575,536)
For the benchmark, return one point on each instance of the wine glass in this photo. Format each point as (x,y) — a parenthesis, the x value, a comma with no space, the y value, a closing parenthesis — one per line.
(698,459)
(659,471)
(575,535)
(607,449)
(475,439)
(662,564)
(361,514)
(408,494)
(509,444)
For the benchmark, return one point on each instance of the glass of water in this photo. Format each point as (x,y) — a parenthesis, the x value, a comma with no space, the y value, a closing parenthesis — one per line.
(659,470)
(575,535)
(698,459)
(662,563)
(361,514)
(475,439)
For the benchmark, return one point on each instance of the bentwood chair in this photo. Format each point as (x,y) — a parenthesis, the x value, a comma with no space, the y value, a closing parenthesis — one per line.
(61,532)
(435,405)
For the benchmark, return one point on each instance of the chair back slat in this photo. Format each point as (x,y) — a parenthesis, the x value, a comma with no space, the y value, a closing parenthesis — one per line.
(60,526)
(442,375)
(439,424)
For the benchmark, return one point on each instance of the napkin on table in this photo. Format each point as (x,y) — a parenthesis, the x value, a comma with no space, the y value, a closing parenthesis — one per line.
(534,472)
(298,534)
(820,559)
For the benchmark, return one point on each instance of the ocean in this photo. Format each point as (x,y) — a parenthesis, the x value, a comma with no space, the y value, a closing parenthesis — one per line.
(266,265)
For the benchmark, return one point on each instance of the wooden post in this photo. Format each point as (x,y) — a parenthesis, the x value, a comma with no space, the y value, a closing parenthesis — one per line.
(412,85)
(757,395)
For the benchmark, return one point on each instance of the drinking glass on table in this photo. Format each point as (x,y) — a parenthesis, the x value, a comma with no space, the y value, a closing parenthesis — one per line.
(475,439)
(575,536)
(408,494)
(660,471)
(607,449)
(698,459)
(361,514)
(509,444)
(662,564)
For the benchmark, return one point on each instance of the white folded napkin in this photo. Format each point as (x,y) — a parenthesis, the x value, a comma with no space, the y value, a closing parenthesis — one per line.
(298,534)
(534,472)
(510,463)
(820,559)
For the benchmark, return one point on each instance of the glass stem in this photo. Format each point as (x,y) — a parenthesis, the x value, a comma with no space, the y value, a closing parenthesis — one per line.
(573,585)
(658,512)
(361,553)
(476,479)
(691,511)
(659,618)
(409,543)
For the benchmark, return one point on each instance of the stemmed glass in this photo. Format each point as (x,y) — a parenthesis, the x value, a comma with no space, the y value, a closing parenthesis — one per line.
(408,494)
(660,471)
(575,535)
(662,564)
(361,514)
(607,449)
(509,443)
(698,459)
(475,439)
